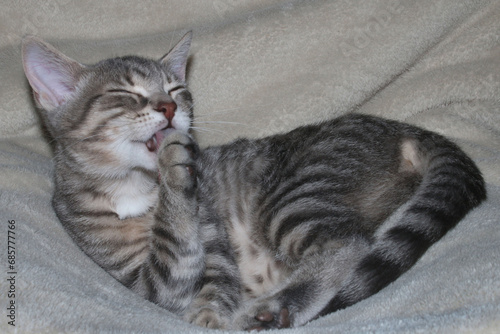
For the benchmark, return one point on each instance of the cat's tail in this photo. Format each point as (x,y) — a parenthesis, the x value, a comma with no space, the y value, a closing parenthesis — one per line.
(451,186)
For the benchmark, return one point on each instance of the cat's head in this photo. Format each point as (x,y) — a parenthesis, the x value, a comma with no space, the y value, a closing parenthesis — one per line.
(111,115)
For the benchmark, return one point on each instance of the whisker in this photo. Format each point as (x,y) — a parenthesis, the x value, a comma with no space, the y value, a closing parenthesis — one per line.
(220,122)
(208,130)
(211,114)
(229,110)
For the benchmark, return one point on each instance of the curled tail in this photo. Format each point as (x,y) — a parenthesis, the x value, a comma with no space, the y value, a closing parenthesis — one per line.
(451,186)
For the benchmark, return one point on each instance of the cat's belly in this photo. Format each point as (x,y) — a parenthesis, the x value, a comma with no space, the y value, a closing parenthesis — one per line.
(260,270)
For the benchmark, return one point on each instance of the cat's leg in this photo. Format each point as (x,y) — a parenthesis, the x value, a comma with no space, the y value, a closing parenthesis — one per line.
(219,295)
(191,271)
(318,277)
(172,272)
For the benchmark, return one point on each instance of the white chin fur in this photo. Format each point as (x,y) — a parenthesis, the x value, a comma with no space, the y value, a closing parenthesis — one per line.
(136,154)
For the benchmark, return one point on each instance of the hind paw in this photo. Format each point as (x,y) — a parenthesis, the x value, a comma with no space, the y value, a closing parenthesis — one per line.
(265,314)
(270,320)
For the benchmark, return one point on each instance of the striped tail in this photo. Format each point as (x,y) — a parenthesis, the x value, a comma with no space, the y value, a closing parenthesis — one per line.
(451,186)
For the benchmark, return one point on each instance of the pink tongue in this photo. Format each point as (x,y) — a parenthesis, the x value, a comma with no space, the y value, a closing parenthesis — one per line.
(159,138)
(153,143)
(150,144)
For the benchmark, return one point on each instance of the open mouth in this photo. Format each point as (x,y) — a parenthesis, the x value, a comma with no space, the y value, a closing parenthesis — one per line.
(153,143)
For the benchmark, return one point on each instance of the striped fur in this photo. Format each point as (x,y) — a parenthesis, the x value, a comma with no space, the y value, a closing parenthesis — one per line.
(255,234)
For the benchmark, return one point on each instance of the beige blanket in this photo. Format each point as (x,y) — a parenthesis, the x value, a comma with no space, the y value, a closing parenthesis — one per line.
(260,67)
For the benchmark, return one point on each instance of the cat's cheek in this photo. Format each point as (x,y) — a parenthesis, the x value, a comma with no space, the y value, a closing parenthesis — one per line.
(150,162)
(182,122)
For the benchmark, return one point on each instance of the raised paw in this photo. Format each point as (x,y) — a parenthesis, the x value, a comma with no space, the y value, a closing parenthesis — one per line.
(176,161)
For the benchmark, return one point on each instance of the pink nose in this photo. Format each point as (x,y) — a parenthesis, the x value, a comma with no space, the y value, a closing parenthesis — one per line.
(167,108)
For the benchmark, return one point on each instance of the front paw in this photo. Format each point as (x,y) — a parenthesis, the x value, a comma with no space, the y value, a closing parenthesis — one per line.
(176,161)
(263,315)
(206,317)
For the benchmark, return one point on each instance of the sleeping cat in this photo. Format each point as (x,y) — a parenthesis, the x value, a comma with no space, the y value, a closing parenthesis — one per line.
(255,234)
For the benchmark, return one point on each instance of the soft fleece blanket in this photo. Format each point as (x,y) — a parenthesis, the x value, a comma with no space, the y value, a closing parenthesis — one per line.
(257,68)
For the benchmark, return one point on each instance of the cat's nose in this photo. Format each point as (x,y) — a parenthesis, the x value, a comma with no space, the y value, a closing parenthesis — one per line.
(168,109)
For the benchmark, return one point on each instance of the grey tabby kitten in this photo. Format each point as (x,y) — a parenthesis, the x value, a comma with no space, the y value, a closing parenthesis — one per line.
(255,234)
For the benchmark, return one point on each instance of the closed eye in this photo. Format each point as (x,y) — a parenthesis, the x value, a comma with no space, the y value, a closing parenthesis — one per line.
(176,88)
(129,96)
(123,91)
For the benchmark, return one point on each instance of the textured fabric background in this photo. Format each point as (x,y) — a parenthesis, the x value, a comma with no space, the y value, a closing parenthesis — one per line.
(257,68)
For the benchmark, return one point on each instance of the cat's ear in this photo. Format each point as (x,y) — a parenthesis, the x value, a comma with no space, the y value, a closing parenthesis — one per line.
(52,75)
(176,59)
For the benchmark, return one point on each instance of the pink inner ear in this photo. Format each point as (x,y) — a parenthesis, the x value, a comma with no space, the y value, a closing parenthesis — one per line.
(50,76)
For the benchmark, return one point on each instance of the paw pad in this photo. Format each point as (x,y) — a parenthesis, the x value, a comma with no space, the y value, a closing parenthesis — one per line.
(268,320)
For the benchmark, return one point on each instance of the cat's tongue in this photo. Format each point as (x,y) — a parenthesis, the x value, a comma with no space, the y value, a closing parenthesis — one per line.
(153,143)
